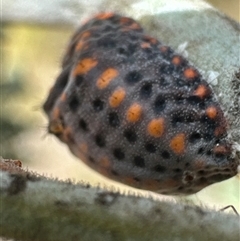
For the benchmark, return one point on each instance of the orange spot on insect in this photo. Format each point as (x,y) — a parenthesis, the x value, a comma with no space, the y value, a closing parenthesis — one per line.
(164,49)
(105,162)
(83,158)
(150,184)
(130,181)
(150,39)
(117,97)
(133,26)
(177,144)
(222,150)
(155,127)
(176,60)
(220,130)
(67,135)
(103,16)
(211,112)
(63,97)
(82,40)
(202,91)
(145,45)
(79,45)
(85,34)
(77,152)
(56,113)
(106,77)
(83,147)
(190,73)
(169,183)
(125,20)
(84,66)
(104,171)
(134,112)
(199,164)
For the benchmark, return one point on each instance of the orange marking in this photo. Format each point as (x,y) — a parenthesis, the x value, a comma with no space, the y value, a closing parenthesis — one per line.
(221,150)
(125,20)
(67,135)
(177,144)
(85,34)
(164,49)
(106,77)
(82,40)
(156,127)
(75,149)
(134,25)
(84,66)
(211,112)
(150,184)
(176,60)
(169,183)
(83,147)
(166,184)
(103,16)
(199,164)
(134,112)
(190,73)
(130,181)
(150,39)
(56,113)
(103,171)
(83,158)
(104,162)
(79,45)
(63,97)
(117,97)
(220,130)
(145,45)
(202,91)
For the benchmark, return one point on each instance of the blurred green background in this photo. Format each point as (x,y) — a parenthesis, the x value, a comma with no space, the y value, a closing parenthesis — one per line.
(31,57)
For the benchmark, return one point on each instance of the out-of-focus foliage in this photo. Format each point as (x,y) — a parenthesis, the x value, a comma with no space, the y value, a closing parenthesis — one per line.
(11,87)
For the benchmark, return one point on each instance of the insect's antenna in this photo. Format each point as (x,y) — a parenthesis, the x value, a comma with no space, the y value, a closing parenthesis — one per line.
(233,208)
(38,106)
(45,134)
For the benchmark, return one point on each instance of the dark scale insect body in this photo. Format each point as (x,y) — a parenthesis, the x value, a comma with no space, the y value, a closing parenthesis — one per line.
(137,112)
